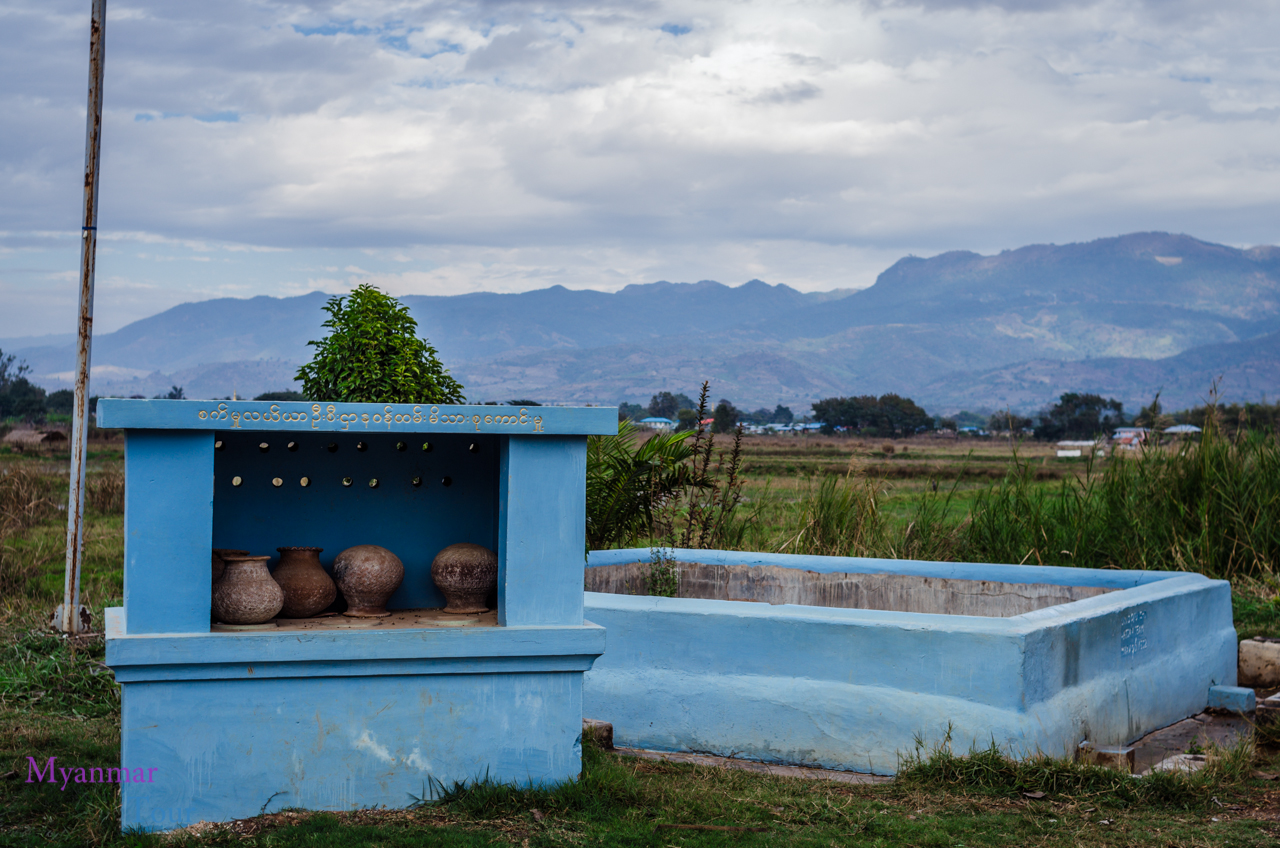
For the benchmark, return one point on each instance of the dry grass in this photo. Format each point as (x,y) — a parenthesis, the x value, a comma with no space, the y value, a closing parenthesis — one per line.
(28,496)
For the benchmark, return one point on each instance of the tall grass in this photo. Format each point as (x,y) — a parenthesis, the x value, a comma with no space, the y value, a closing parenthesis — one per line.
(28,496)
(1211,507)
(994,772)
(838,516)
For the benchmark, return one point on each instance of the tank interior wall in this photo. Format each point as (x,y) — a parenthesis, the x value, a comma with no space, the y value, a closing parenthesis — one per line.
(772,584)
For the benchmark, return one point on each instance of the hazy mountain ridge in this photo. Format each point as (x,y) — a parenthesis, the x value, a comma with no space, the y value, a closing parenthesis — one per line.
(1123,316)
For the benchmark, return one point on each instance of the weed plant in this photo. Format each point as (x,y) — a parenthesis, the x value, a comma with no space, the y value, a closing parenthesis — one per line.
(704,511)
(663,579)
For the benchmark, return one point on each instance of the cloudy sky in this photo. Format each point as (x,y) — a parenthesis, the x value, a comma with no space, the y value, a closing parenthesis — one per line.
(254,147)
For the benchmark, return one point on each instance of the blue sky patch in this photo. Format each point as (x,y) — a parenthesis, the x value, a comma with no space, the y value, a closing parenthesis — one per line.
(333,28)
(675,29)
(218,117)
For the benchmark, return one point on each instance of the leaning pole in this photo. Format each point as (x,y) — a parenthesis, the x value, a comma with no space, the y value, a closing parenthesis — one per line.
(69,620)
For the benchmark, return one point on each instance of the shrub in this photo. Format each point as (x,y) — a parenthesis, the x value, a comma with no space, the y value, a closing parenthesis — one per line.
(628,480)
(373,355)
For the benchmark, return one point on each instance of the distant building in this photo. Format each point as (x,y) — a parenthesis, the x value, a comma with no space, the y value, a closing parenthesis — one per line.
(1130,438)
(657,423)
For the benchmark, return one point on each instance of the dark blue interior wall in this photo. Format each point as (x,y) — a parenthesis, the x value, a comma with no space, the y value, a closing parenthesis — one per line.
(415,523)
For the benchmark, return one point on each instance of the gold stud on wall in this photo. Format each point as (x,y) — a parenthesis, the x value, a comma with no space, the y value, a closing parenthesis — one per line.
(218,445)
(361,446)
(236,481)
(292,446)
(426,447)
(400,446)
(305,482)
(373,484)
(264,447)
(277,482)
(346,481)
(416,481)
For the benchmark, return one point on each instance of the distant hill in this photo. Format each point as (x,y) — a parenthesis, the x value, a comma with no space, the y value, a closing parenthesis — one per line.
(1123,316)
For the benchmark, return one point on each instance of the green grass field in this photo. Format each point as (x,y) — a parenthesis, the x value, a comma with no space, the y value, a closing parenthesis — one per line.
(56,698)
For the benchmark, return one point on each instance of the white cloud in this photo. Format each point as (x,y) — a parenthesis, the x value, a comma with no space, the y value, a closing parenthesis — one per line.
(507,146)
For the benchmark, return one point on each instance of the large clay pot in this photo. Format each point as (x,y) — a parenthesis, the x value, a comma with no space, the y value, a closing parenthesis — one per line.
(466,574)
(246,594)
(307,589)
(218,565)
(367,575)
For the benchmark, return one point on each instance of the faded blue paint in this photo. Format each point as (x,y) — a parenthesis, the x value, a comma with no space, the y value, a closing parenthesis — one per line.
(340,720)
(542,530)
(852,689)
(168,516)
(303,416)
(1235,698)
(347,718)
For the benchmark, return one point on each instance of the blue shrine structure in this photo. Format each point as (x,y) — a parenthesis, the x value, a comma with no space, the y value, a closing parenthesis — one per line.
(343,713)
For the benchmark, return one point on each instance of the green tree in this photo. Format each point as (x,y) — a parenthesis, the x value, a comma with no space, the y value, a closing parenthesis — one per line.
(1153,417)
(686,419)
(23,399)
(374,355)
(668,405)
(281,396)
(886,415)
(725,418)
(1009,422)
(631,411)
(782,415)
(1080,416)
(61,402)
(19,397)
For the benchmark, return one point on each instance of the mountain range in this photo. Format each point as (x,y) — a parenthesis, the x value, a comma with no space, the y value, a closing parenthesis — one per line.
(1125,317)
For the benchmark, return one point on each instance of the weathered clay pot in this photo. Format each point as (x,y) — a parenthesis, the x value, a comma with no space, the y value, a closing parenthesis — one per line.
(218,565)
(307,589)
(246,594)
(367,575)
(466,574)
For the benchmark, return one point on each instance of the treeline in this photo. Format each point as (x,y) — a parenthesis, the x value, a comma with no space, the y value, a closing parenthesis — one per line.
(867,415)
(20,398)
(683,410)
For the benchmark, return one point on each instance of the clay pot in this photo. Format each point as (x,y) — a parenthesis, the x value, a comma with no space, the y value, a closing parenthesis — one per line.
(367,575)
(307,589)
(246,594)
(218,565)
(466,574)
